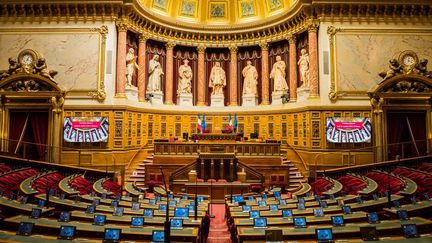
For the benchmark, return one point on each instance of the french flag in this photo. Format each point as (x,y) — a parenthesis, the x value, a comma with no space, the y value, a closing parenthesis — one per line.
(230,123)
(199,123)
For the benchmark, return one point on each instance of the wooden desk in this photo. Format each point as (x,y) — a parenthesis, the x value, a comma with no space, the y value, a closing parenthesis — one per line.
(412,209)
(187,234)
(217,190)
(16,206)
(352,229)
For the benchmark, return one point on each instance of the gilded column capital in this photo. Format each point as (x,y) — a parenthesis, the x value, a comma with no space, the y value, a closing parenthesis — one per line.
(143,37)
(312,25)
(233,48)
(264,45)
(201,48)
(291,38)
(122,26)
(170,44)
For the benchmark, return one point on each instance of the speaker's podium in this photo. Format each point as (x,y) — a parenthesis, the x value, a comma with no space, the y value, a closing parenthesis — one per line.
(213,159)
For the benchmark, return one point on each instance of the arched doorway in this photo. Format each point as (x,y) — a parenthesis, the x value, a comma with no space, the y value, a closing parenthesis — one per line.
(401,108)
(31,109)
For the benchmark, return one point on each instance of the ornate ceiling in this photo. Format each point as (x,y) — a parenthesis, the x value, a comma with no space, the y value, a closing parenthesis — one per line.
(216,13)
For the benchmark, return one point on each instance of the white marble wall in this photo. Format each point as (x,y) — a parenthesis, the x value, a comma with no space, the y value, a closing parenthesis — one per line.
(360,57)
(74,55)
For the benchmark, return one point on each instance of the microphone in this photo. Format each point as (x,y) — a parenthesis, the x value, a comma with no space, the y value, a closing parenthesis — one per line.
(167,226)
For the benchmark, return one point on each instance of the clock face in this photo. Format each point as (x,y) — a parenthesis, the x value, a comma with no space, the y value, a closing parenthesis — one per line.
(27,59)
(408,60)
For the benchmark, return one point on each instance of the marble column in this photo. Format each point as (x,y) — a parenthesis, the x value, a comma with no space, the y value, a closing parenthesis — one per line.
(121,61)
(233,76)
(169,73)
(212,169)
(313,60)
(142,67)
(221,169)
(201,76)
(292,68)
(264,73)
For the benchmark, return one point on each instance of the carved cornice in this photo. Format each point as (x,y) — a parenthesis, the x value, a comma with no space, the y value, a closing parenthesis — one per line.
(50,11)
(291,39)
(143,37)
(170,44)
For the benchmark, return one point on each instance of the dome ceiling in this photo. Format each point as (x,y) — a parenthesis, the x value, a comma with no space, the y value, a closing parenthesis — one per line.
(216,13)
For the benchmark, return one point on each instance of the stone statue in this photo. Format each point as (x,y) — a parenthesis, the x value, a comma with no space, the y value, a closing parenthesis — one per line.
(185,78)
(217,79)
(250,75)
(155,75)
(394,68)
(41,68)
(130,66)
(278,75)
(303,63)
(13,66)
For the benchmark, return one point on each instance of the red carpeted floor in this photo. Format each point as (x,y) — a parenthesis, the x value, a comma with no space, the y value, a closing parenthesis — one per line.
(218,232)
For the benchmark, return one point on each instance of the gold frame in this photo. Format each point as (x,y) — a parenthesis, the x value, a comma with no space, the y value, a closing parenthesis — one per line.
(218,19)
(334,92)
(255,10)
(99,92)
(180,13)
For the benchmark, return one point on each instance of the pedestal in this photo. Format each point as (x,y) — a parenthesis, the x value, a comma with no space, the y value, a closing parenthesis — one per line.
(217,101)
(131,92)
(302,93)
(241,176)
(157,98)
(277,97)
(250,100)
(192,176)
(185,99)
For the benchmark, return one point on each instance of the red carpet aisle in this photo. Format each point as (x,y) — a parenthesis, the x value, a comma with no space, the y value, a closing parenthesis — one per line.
(218,232)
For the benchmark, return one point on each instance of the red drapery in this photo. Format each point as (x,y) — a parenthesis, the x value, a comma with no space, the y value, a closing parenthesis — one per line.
(181,53)
(39,127)
(212,56)
(16,125)
(280,48)
(398,132)
(153,48)
(254,55)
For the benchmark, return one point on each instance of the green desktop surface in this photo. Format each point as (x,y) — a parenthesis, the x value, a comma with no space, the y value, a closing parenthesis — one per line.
(108,209)
(89,228)
(13,204)
(26,186)
(129,187)
(331,209)
(410,188)
(98,187)
(336,188)
(371,186)
(412,208)
(309,219)
(126,219)
(65,187)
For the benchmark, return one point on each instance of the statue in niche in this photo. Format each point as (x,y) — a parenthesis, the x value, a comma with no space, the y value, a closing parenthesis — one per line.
(41,68)
(185,78)
(303,64)
(217,79)
(278,75)
(250,75)
(130,66)
(155,75)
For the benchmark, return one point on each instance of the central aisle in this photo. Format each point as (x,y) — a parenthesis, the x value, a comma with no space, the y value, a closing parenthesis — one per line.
(218,232)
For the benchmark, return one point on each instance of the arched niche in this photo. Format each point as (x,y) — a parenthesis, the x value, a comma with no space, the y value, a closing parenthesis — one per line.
(29,94)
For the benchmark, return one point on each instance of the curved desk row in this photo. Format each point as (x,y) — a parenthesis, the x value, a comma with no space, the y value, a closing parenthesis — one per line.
(187,234)
(351,229)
